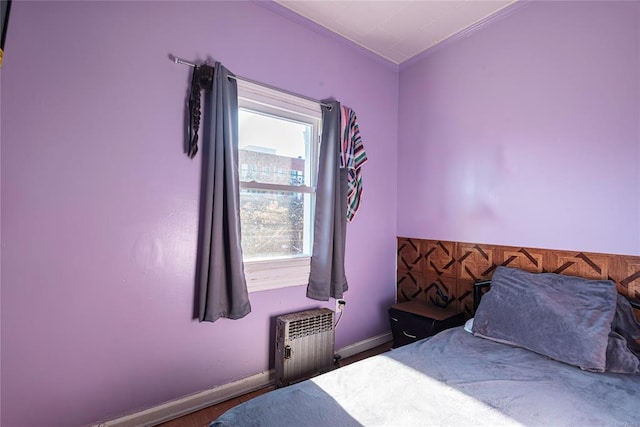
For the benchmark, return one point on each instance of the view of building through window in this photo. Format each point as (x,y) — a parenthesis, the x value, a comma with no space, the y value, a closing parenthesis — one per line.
(275,204)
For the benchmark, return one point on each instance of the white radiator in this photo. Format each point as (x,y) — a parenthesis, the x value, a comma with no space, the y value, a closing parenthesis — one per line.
(304,345)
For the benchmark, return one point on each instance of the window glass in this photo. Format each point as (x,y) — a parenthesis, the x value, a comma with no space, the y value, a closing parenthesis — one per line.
(278,150)
(276,147)
(273,224)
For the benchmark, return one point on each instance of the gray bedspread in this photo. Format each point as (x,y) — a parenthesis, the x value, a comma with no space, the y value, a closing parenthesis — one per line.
(451,379)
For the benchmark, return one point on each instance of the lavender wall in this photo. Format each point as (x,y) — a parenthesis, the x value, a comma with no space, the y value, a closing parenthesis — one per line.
(99,205)
(526,132)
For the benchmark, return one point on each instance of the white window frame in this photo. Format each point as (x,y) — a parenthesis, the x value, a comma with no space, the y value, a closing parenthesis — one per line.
(286,271)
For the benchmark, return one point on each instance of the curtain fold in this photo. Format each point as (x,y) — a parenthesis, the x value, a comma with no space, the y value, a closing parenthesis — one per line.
(327,276)
(222,284)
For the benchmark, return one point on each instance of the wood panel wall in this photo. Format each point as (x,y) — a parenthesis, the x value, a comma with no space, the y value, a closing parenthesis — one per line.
(434,270)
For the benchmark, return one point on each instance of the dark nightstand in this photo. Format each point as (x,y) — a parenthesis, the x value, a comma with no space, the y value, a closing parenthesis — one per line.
(414,320)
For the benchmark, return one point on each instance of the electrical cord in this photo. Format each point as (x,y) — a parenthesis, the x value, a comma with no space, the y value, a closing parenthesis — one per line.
(339,317)
(340,304)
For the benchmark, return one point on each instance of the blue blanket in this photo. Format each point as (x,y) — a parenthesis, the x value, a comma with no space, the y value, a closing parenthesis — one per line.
(451,379)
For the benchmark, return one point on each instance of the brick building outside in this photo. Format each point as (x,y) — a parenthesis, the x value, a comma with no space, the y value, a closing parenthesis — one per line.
(272,221)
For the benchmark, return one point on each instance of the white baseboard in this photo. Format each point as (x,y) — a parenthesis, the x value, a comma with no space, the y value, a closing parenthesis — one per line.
(365,345)
(194,402)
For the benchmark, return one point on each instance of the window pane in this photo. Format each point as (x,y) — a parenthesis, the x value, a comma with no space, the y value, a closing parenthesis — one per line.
(273,150)
(273,224)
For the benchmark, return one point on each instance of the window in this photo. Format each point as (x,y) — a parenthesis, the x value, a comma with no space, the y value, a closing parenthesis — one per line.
(278,153)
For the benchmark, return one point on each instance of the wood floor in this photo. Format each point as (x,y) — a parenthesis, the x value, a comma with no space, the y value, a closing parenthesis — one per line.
(205,416)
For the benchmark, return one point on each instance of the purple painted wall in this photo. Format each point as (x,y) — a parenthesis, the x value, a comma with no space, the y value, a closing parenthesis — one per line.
(527,131)
(100,206)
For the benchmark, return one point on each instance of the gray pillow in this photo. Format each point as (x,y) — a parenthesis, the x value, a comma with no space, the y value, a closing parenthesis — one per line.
(565,318)
(620,359)
(623,350)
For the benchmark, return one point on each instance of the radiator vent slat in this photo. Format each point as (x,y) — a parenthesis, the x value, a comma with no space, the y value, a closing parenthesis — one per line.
(304,345)
(310,326)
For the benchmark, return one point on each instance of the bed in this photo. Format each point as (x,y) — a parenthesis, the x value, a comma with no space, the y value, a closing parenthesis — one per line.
(542,350)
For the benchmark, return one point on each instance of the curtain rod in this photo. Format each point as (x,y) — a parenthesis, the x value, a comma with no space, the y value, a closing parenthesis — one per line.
(177,60)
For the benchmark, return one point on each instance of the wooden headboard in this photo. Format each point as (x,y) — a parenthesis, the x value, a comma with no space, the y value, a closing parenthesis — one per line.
(443,272)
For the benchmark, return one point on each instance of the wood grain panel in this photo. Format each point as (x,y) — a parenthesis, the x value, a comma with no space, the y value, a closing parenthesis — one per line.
(625,271)
(439,290)
(424,266)
(580,264)
(527,259)
(465,296)
(408,285)
(475,262)
(439,257)
(410,255)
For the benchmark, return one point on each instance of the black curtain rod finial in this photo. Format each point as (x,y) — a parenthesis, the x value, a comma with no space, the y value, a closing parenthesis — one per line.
(205,76)
(201,79)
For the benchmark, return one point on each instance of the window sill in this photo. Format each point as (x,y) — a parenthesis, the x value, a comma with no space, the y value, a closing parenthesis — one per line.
(276,274)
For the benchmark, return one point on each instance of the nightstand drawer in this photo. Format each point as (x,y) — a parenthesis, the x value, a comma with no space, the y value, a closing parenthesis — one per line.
(414,320)
(407,328)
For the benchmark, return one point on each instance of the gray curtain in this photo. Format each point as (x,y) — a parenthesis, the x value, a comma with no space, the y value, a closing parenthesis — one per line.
(222,285)
(327,277)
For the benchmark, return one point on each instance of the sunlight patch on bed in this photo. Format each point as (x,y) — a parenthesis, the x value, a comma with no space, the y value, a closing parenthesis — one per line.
(406,387)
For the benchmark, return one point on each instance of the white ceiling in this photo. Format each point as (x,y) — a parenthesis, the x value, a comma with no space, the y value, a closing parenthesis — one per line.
(396,29)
